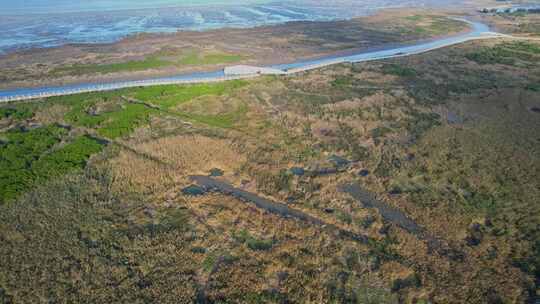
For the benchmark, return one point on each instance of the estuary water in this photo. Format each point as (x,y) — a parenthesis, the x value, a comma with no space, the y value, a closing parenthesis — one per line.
(47,23)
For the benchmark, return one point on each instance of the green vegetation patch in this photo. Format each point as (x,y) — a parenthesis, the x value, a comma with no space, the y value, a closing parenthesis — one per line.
(412,280)
(421,122)
(380,132)
(427,91)
(114,116)
(270,183)
(533,87)
(524,46)
(216,257)
(414,18)
(72,156)
(343,81)
(426,25)
(506,53)
(530,27)
(19,113)
(122,123)
(29,156)
(194,58)
(399,70)
(128,66)
(443,25)
(154,61)
(225,120)
(112,123)
(18,154)
(172,95)
(253,243)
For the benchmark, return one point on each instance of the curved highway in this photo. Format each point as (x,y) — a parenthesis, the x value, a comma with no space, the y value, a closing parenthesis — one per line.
(478,31)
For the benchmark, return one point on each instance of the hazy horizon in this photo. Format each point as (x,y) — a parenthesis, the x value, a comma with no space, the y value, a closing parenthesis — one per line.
(65,6)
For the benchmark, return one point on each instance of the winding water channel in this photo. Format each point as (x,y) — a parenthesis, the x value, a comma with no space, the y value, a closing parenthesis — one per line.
(477,31)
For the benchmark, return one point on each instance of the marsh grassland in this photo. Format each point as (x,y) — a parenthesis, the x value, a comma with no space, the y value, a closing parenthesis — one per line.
(92,205)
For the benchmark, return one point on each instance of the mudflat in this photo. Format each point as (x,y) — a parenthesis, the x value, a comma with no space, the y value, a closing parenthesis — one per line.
(148,55)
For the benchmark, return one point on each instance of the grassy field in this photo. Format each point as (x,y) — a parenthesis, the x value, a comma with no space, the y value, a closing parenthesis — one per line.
(128,66)
(113,116)
(432,25)
(34,155)
(152,62)
(520,23)
(450,138)
(421,25)
(193,58)
(507,53)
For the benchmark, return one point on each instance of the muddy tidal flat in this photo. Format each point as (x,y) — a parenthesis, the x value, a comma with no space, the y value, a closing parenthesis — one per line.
(152,55)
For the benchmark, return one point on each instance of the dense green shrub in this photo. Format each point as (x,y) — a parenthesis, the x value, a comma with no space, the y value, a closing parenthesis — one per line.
(399,70)
(271,183)
(122,119)
(29,156)
(343,81)
(71,156)
(19,153)
(410,281)
(506,53)
(420,122)
(243,236)
(18,113)
(533,87)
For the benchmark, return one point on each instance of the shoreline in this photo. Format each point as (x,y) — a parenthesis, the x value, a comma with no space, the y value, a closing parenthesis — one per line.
(265,45)
(136,36)
(478,31)
(268,8)
(149,35)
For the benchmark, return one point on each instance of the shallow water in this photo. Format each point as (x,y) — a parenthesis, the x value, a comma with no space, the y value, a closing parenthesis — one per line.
(62,6)
(46,23)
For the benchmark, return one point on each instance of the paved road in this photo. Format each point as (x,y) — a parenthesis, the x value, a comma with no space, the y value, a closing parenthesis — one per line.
(478,31)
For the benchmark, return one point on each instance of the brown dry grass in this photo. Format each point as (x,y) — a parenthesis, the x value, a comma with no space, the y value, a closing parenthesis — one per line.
(133,172)
(293,253)
(51,114)
(194,154)
(375,77)
(158,165)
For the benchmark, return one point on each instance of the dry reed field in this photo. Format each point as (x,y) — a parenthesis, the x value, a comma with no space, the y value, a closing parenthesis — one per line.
(444,147)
